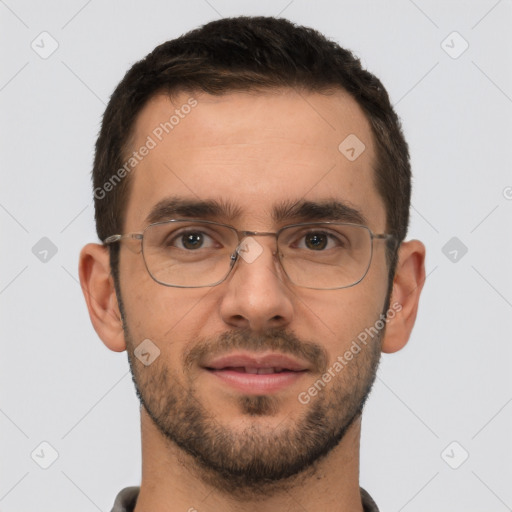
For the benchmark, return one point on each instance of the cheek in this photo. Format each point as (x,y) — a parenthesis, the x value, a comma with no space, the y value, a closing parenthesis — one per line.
(338,317)
(170,317)
(140,299)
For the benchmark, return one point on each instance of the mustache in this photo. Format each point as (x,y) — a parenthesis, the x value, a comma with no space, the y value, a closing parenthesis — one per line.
(276,340)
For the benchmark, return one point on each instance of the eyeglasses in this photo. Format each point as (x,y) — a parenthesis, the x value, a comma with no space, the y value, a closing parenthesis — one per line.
(200,253)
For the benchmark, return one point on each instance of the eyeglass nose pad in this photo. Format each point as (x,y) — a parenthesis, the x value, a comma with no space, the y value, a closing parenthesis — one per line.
(234,257)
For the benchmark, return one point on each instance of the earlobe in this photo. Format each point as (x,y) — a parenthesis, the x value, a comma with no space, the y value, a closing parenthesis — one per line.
(407,285)
(98,289)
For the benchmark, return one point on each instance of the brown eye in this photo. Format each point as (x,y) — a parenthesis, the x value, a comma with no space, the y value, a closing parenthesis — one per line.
(192,240)
(316,241)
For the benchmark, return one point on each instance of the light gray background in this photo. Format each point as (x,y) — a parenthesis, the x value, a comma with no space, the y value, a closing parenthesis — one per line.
(58,382)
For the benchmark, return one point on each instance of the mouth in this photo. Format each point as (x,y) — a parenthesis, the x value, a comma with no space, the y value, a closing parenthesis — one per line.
(254,369)
(257,374)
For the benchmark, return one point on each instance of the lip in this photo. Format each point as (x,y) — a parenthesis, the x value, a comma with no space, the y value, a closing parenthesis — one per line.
(256,360)
(230,369)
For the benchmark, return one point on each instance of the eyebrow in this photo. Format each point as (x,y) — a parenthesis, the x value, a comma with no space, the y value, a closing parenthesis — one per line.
(286,211)
(172,207)
(327,210)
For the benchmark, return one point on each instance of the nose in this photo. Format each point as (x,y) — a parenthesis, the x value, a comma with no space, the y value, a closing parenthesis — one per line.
(256,294)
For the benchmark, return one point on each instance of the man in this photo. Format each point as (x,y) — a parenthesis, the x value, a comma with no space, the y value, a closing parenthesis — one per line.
(252,189)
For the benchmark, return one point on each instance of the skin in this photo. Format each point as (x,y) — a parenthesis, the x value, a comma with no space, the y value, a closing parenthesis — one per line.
(255,150)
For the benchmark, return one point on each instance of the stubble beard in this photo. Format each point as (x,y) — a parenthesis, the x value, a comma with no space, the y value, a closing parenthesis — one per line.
(257,459)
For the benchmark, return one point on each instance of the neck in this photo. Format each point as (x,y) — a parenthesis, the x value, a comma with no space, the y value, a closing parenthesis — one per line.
(173,481)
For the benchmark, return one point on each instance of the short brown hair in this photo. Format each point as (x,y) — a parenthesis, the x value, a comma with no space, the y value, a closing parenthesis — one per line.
(249,53)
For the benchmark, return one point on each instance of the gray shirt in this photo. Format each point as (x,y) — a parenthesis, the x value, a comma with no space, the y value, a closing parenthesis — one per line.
(126,499)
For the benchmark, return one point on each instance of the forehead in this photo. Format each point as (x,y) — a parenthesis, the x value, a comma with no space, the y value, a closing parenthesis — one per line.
(255,153)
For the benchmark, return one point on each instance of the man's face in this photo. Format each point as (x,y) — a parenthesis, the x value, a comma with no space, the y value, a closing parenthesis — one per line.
(255,154)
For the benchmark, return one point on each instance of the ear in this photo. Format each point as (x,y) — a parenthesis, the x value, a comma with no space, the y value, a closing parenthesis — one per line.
(98,288)
(407,285)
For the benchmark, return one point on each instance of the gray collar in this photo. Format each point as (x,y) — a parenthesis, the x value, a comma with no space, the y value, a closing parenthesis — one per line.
(126,499)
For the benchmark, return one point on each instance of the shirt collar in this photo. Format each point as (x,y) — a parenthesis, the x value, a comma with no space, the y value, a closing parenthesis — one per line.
(126,499)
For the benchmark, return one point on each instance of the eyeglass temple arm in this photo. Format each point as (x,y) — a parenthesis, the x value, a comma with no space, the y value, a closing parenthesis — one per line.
(390,239)
(116,238)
